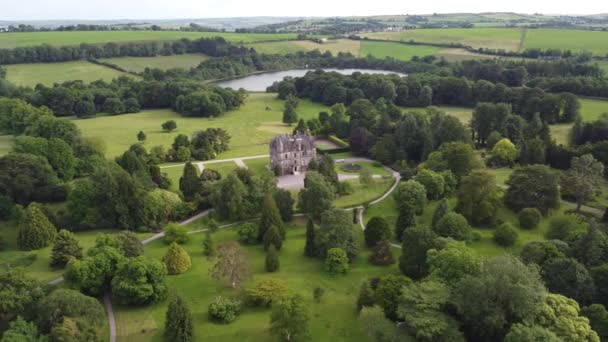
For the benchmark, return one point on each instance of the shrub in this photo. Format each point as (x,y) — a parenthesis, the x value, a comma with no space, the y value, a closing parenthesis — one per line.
(177,259)
(529,218)
(248,234)
(453,225)
(175,233)
(169,125)
(317,294)
(377,229)
(66,247)
(433,183)
(336,261)
(130,244)
(505,235)
(35,229)
(272,259)
(224,310)
(382,254)
(265,292)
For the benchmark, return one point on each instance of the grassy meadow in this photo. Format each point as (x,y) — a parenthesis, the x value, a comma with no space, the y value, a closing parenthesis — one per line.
(139,64)
(576,40)
(333,45)
(334,318)
(19,39)
(396,50)
(251,127)
(50,73)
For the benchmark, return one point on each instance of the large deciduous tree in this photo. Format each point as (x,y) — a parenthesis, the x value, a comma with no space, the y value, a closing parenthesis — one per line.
(336,230)
(478,198)
(231,265)
(66,247)
(534,186)
(582,179)
(140,281)
(35,229)
(289,319)
(317,195)
(178,321)
(416,242)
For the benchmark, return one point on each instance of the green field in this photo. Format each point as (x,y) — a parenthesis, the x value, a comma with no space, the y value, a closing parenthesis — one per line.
(251,127)
(334,46)
(396,50)
(138,64)
(576,40)
(496,38)
(373,169)
(258,165)
(6,144)
(50,73)
(11,40)
(363,194)
(334,318)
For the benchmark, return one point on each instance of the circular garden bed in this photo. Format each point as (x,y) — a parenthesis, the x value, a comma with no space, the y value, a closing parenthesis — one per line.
(351,168)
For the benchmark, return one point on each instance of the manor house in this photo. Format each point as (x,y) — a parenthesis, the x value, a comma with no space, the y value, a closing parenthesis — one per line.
(290,154)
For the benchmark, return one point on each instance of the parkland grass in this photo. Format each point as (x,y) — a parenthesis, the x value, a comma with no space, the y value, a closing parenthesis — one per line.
(364,193)
(251,127)
(575,40)
(12,40)
(334,318)
(400,51)
(139,64)
(50,73)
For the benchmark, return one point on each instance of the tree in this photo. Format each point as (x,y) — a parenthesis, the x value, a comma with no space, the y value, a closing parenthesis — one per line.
(301,127)
(23,176)
(504,152)
(441,210)
(420,307)
(270,217)
(478,198)
(366,297)
(93,274)
(66,247)
(272,259)
(529,218)
(453,225)
(533,186)
(453,262)
(317,195)
(63,303)
(175,233)
(580,181)
(377,229)
(231,266)
(289,114)
(183,154)
(310,249)
(505,235)
(539,252)
(141,136)
(169,125)
(178,321)
(598,318)
(208,249)
(177,260)
(35,229)
(376,326)
(285,203)
(382,254)
(560,315)
(19,293)
(568,277)
(416,242)
(140,281)
(248,234)
(410,197)
(514,289)
(130,244)
(336,231)
(387,293)
(336,261)
(432,182)
(224,310)
(534,333)
(458,157)
(272,237)
(289,319)
(591,248)
(22,330)
(189,183)
(566,228)
(229,197)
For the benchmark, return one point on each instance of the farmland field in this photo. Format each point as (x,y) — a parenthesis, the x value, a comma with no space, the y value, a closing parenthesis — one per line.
(334,318)
(49,73)
(396,50)
(496,38)
(11,40)
(251,126)
(576,40)
(334,46)
(138,64)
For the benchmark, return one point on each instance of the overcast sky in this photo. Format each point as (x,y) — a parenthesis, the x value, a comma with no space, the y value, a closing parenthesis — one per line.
(169,9)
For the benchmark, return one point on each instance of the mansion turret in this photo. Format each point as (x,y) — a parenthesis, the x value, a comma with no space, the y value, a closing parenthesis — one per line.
(290,154)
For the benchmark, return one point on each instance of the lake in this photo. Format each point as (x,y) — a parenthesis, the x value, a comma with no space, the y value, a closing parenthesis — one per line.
(259,82)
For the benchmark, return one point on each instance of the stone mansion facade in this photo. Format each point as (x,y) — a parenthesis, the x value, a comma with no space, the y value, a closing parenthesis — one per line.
(290,154)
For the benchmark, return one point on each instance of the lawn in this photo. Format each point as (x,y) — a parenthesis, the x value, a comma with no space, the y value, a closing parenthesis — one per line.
(363,193)
(139,64)
(464,114)
(6,144)
(495,38)
(36,263)
(11,40)
(591,109)
(50,73)
(576,40)
(334,318)
(251,127)
(396,50)
(373,169)
(258,165)
(224,168)
(284,47)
